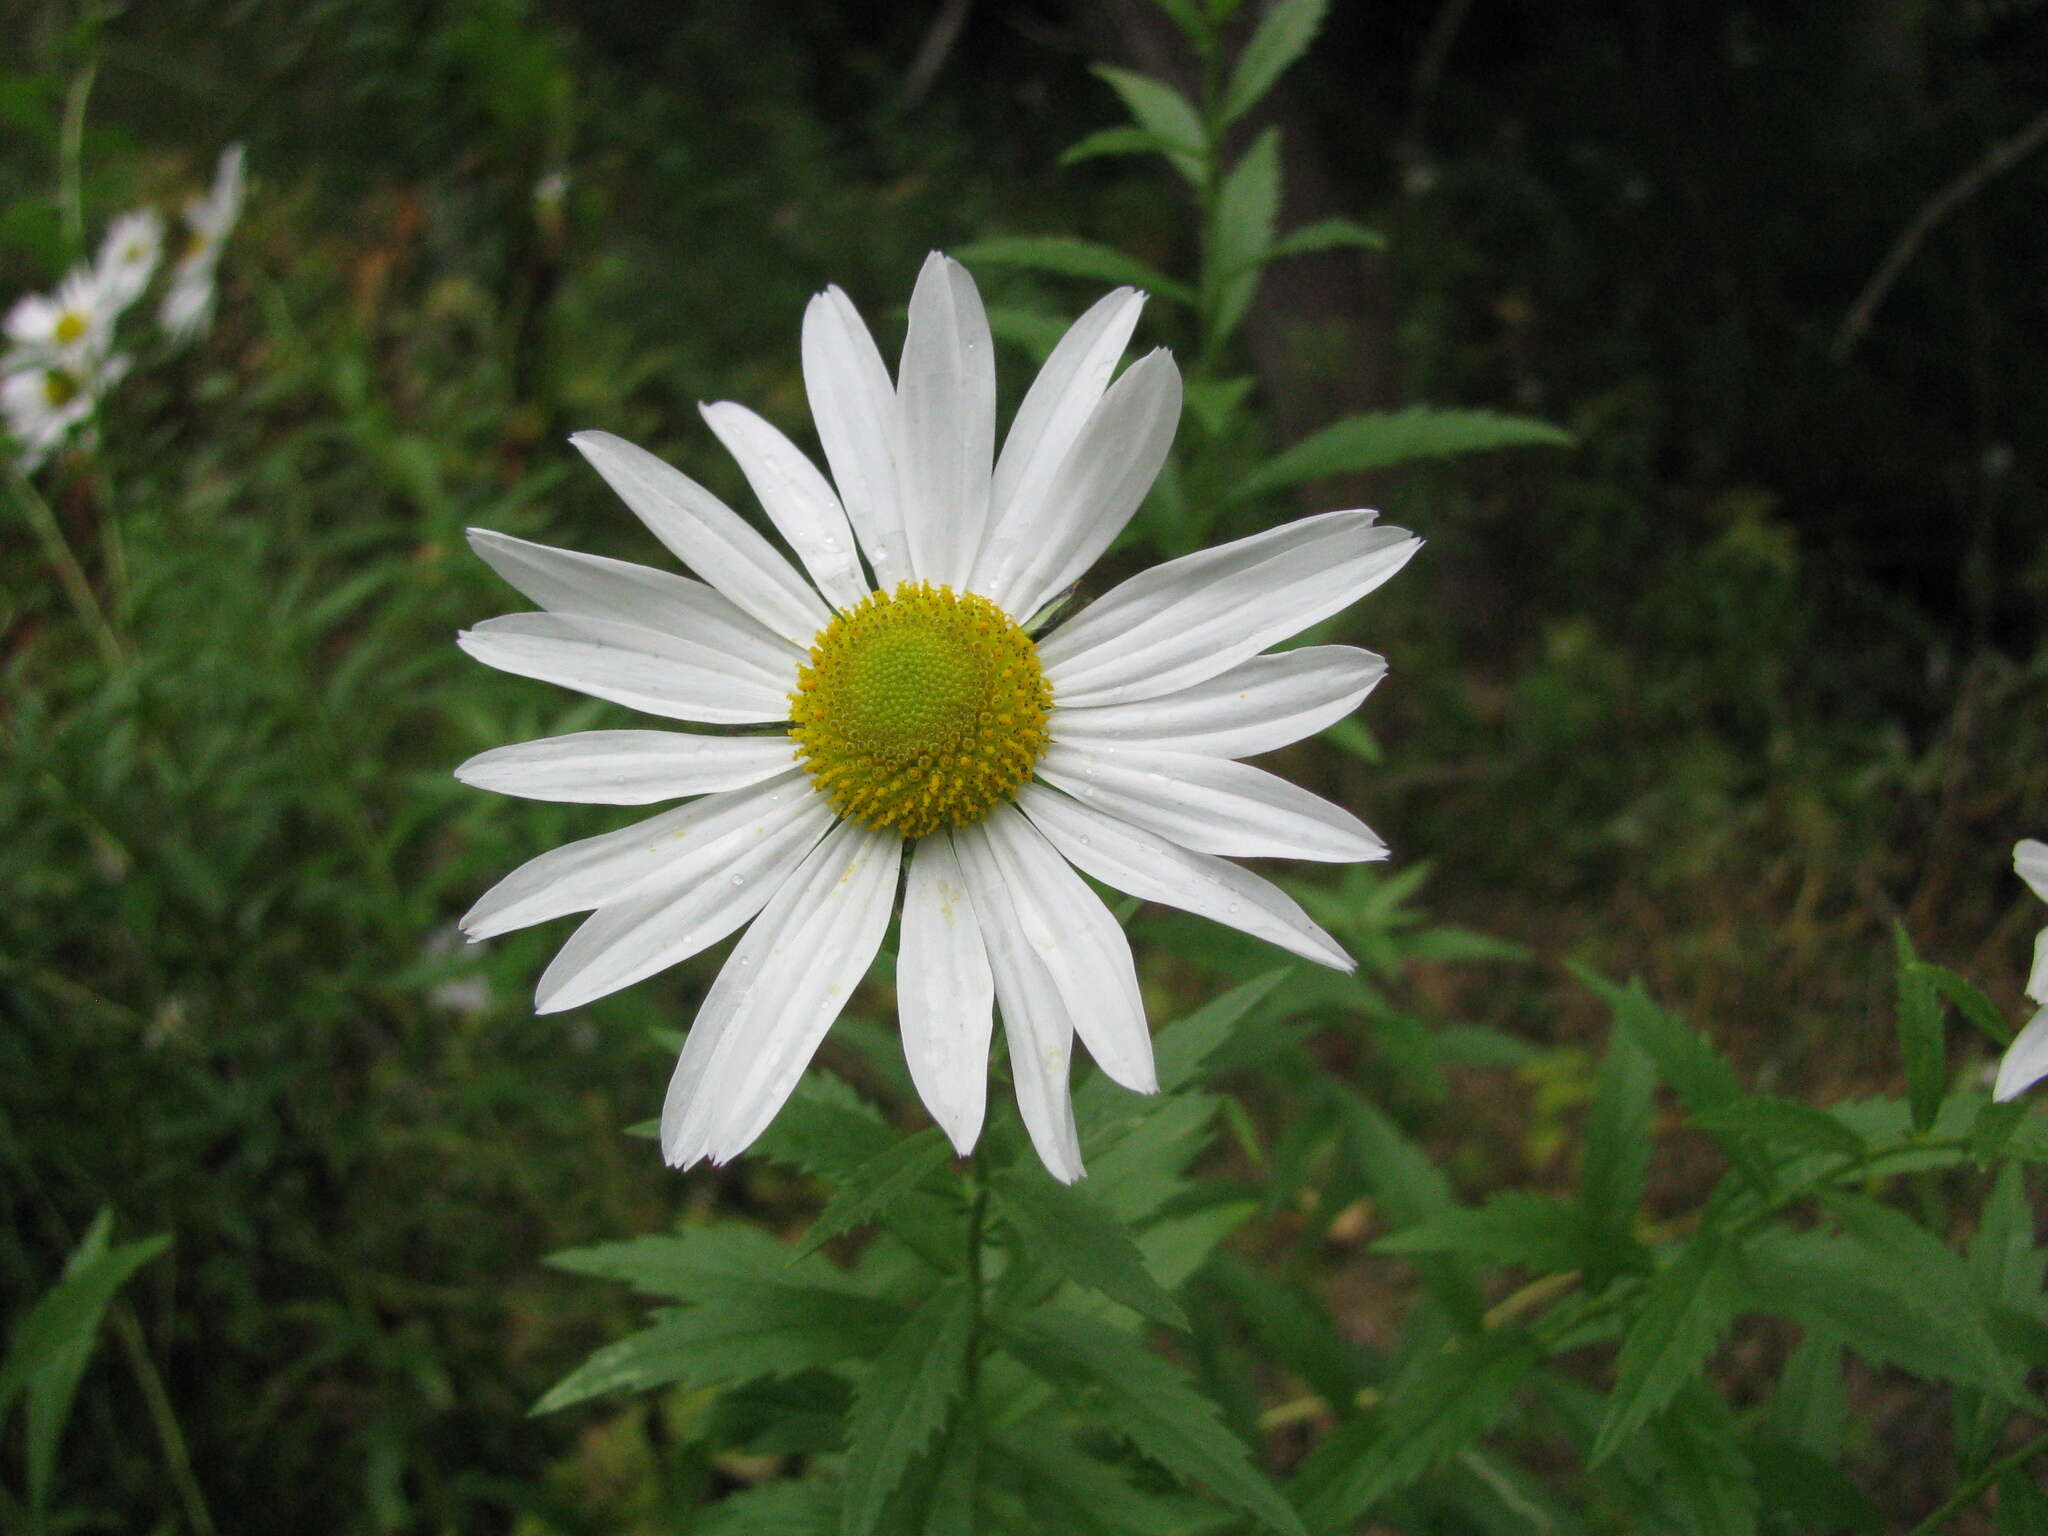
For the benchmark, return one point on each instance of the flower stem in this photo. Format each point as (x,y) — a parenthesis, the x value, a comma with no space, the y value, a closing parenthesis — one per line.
(71,158)
(1970,1490)
(69,573)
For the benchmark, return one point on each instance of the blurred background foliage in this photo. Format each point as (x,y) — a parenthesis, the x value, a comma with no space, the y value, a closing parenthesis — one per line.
(1752,671)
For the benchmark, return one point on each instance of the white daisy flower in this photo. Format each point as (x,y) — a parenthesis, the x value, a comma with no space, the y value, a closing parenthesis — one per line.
(187,308)
(920,728)
(128,256)
(73,327)
(2026,1059)
(43,399)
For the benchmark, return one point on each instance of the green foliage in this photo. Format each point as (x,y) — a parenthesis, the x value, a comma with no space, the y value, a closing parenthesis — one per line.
(903,1401)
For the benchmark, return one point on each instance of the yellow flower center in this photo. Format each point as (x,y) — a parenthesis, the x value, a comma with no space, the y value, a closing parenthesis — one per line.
(70,326)
(921,708)
(59,388)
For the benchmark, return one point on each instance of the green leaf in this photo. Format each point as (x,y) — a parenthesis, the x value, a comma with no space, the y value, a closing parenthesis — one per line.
(1180,1051)
(67,1316)
(1162,111)
(1151,1404)
(1062,1227)
(1283,36)
(1122,140)
(1192,20)
(1699,1477)
(873,1187)
(1080,1488)
(1785,1125)
(1175,1246)
(1327,235)
(1808,1492)
(1920,1042)
(1810,1409)
(826,1129)
(1438,1407)
(1386,438)
(1969,1001)
(1036,333)
(1142,1170)
(1540,1232)
(1070,257)
(736,1334)
(52,1388)
(723,1256)
(1290,1327)
(1410,1187)
(1685,1309)
(903,1401)
(2022,1506)
(1246,209)
(792,1508)
(1616,1159)
(1697,1073)
(1213,402)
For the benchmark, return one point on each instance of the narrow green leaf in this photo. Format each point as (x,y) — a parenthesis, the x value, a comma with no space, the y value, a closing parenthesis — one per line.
(1292,1328)
(1616,1159)
(1213,402)
(1180,1051)
(1783,1125)
(1810,1409)
(1161,110)
(698,1259)
(2022,1506)
(1699,1477)
(1070,257)
(1685,1309)
(68,1313)
(1283,36)
(1920,1043)
(741,1333)
(1151,1404)
(52,1388)
(1539,1232)
(1410,1187)
(1969,1001)
(1327,235)
(1439,1407)
(1061,1226)
(903,1401)
(1809,1492)
(826,1129)
(1246,209)
(1697,1073)
(1075,1491)
(880,1181)
(1123,140)
(1036,333)
(1192,20)
(792,1508)
(1386,438)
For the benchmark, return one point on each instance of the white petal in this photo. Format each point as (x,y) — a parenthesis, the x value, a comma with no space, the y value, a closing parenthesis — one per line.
(690,906)
(1210,804)
(944,992)
(1082,948)
(628,767)
(1035,1021)
(946,396)
(638,667)
(797,498)
(1110,468)
(854,407)
(1057,406)
(1150,867)
(1256,706)
(709,537)
(2037,979)
(2030,862)
(567,581)
(1191,618)
(2026,1060)
(579,876)
(785,982)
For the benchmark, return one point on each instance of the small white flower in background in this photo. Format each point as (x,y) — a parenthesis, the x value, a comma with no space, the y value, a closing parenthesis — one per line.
(44,399)
(73,327)
(187,308)
(2026,1059)
(911,704)
(468,994)
(128,256)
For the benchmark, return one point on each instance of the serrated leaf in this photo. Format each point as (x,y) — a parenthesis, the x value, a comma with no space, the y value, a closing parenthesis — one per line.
(1290,1327)
(1246,209)
(1071,257)
(1440,1406)
(1685,1309)
(1969,1001)
(826,1129)
(1695,1468)
(871,1188)
(1153,1405)
(1616,1159)
(903,1401)
(687,1264)
(1809,1492)
(1161,110)
(1920,1042)
(758,1330)
(1410,1187)
(794,1508)
(1697,1073)
(1063,1227)
(1784,1125)
(1175,1246)
(1142,1170)
(1083,1488)
(1327,235)
(1180,1050)
(1283,36)
(1386,438)
(1540,1232)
